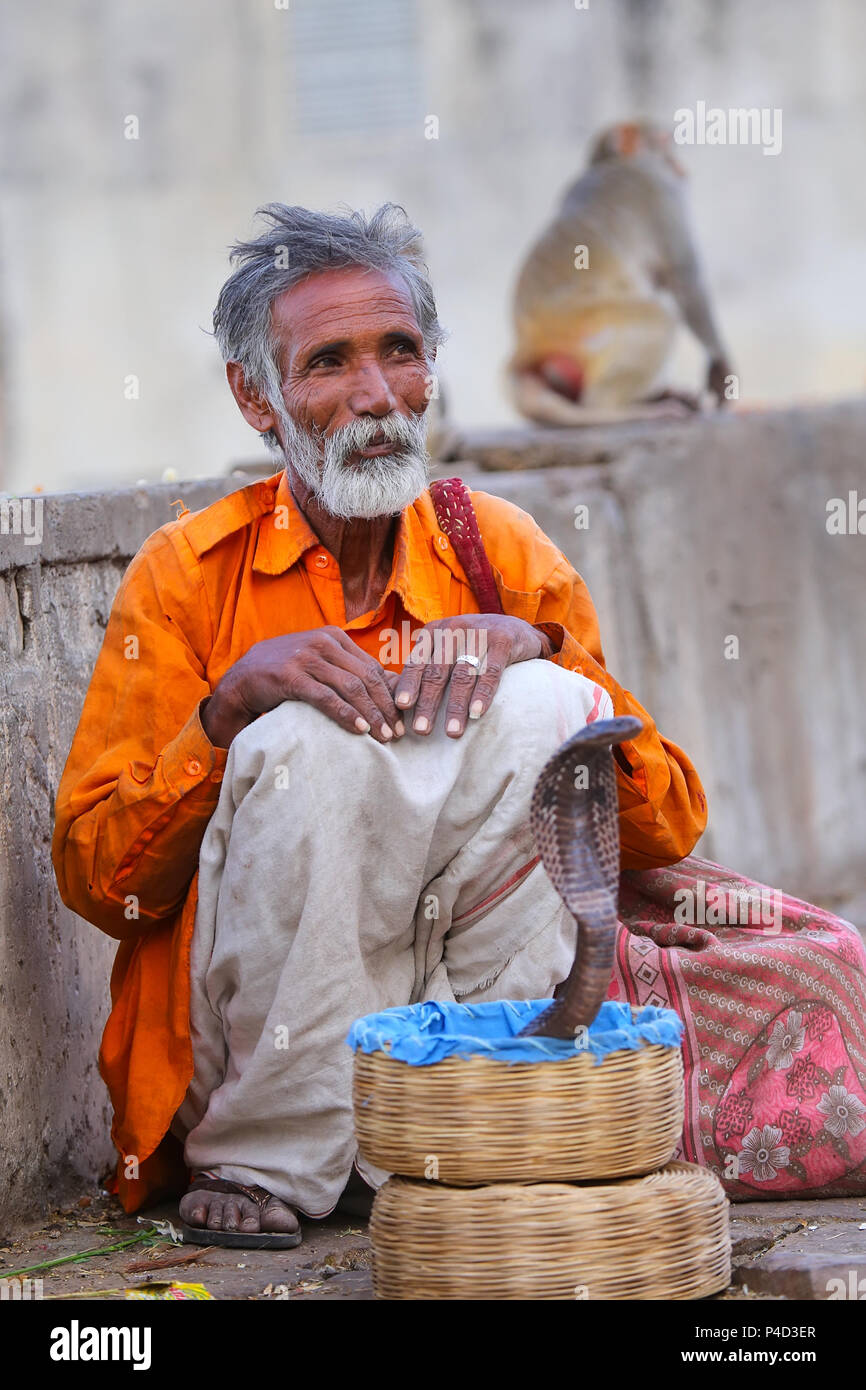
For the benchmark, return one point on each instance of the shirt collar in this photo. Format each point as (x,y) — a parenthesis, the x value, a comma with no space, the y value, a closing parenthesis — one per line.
(284,532)
(285,535)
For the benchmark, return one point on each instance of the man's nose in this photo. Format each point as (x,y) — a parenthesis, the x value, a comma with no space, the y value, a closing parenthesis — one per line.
(371,393)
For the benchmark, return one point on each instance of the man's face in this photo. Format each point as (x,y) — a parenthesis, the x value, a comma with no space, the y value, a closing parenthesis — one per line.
(350,347)
(355,388)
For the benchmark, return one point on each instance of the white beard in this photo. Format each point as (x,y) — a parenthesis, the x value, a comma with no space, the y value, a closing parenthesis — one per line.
(372,487)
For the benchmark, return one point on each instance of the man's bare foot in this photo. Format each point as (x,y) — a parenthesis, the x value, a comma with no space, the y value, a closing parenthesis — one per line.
(219,1212)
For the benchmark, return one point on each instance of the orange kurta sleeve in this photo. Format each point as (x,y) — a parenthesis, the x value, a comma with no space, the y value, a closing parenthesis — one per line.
(142,779)
(663,810)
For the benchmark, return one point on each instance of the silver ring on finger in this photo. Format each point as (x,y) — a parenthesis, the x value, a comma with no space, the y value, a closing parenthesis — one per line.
(473,661)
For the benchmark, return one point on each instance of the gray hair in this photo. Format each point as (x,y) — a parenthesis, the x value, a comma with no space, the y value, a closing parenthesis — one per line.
(297,243)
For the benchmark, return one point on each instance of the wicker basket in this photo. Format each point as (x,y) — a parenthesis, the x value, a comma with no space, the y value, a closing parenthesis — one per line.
(478,1119)
(664,1236)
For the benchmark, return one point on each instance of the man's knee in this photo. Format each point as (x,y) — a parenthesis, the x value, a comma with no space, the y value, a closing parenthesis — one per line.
(540,695)
(295,728)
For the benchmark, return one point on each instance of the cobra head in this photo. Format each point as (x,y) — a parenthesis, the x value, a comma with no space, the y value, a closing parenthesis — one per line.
(574,817)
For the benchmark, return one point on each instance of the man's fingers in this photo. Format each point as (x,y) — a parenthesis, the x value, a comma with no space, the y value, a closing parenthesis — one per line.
(434,680)
(354,689)
(461,691)
(343,696)
(324,697)
(408,685)
(486,686)
(357,663)
(472,689)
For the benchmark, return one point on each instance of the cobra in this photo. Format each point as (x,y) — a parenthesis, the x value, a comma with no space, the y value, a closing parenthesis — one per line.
(574,819)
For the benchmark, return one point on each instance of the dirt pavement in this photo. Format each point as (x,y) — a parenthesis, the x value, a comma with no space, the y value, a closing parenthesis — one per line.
(332,1262)
(781,1250)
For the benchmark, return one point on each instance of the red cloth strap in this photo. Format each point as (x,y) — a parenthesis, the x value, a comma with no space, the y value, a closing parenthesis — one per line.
(456,516)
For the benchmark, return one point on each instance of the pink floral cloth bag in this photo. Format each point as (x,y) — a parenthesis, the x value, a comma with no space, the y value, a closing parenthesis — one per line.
(772,992)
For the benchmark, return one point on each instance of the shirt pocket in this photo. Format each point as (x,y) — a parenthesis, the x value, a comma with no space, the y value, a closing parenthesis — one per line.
(517,603)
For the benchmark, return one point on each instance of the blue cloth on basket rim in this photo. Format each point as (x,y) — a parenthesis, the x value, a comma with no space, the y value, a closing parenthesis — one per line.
(421,1034)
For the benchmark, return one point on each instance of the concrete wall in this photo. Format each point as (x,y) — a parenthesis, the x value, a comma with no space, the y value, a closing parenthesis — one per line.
(697,532)
(112,250)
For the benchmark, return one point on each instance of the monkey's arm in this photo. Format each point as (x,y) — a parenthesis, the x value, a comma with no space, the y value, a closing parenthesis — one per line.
(662,807)
(685,281)
(680,272)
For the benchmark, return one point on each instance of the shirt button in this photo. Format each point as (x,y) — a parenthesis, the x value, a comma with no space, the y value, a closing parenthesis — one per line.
(322,561)
(442,542)
(193,767)
(217,776)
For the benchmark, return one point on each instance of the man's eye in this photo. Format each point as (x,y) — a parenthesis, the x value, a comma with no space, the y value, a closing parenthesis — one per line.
(329,360)
(405,347)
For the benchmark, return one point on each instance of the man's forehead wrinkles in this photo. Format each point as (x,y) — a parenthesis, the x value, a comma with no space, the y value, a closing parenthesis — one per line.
(314,316)
(340,287)
(339,324)
(333,317)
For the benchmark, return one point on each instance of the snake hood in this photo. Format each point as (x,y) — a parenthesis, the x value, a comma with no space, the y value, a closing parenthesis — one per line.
(574,819)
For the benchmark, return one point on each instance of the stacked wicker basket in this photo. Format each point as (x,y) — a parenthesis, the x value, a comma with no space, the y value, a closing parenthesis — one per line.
(537,1180)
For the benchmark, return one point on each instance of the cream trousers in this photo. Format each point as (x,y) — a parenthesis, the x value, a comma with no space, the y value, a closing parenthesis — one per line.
(338,877)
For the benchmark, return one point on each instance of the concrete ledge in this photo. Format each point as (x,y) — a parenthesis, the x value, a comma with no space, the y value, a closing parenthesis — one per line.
(753,431)
(82,526)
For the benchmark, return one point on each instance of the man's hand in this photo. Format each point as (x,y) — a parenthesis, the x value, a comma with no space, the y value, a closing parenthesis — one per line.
(323,668)
(497,639)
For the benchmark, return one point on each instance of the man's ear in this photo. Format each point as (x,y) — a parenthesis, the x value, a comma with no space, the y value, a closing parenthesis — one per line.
(251,403)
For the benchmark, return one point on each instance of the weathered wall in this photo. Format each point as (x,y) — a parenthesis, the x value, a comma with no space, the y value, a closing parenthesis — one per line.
(54,603)
(697,532)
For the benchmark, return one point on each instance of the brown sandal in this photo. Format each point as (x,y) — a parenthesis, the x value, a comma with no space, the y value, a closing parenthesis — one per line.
(238,1240)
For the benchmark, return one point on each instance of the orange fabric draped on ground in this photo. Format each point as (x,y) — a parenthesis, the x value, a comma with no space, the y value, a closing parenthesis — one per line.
(142,778)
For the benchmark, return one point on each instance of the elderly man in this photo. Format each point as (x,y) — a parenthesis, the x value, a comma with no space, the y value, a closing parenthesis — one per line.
(285,816)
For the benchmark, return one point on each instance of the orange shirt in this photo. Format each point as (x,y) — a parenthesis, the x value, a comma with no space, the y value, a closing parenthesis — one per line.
(142,778)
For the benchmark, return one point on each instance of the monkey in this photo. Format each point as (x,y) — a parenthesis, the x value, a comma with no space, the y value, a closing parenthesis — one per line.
(601,294)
